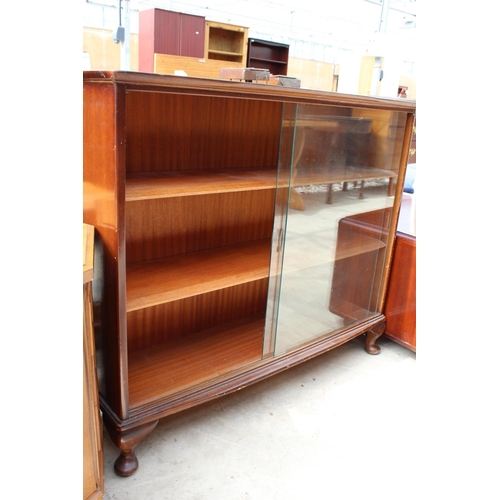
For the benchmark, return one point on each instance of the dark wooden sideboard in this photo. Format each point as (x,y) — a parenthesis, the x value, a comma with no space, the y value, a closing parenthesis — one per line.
(217,208)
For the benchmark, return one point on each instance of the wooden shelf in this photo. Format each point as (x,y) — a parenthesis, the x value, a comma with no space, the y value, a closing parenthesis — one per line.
(363,245)
(332,175)
(152,185)
(268,60)
(174,278)
(304,260)
(162,370)
(225,53)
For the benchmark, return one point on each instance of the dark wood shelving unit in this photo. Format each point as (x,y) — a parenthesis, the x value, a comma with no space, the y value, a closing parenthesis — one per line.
(264,54)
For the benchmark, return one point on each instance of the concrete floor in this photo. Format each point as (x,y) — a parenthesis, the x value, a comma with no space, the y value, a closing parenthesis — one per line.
(338,426)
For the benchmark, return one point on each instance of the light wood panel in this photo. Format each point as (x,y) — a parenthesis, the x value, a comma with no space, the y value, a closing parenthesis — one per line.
(192,66)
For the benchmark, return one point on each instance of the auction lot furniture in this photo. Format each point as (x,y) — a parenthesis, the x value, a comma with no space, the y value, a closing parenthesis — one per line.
(214,277)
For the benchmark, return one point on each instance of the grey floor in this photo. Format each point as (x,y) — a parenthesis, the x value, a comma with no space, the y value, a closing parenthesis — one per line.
(338,426)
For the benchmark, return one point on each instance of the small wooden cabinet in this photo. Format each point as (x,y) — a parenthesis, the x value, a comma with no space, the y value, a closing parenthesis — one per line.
(264,54)
(217,206)
(93,465)
(226,42)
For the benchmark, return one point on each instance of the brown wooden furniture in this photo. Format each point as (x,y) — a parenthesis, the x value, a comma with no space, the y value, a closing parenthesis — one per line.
(211,280)
(166,64)
(401,304)
(269,55)
(226,42)
(356,283)
(93,468)
(167,32)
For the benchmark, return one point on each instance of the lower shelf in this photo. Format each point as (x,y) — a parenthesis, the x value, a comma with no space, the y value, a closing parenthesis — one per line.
(166,369)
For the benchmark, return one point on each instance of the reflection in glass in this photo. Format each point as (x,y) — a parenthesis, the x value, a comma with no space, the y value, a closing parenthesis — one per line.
(333,212)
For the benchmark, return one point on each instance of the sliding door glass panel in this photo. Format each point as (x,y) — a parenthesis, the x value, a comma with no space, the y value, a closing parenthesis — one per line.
(331,228)
(283,186)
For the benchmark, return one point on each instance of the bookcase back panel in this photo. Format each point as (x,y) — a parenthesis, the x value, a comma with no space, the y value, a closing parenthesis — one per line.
(171,226)
(188,132)
(166,322)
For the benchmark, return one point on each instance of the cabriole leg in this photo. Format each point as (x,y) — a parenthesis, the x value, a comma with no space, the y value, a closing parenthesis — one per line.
(371,337)
(126,464)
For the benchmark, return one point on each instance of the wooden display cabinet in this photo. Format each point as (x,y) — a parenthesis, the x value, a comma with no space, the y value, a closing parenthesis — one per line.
(213,279)
(226,42)
(264,54)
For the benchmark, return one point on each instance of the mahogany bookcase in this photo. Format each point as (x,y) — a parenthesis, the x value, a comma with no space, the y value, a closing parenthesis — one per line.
(217,208)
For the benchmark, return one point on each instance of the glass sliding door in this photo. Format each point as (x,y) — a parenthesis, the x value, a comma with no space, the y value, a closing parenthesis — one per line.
(337,172)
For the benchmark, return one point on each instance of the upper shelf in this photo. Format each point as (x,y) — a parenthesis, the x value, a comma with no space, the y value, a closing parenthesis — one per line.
(154,185)
(170,184)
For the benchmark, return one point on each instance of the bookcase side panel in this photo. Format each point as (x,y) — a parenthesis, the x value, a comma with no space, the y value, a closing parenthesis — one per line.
(103,185)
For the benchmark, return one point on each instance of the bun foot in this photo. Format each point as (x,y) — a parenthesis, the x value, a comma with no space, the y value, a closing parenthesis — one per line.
(127,439)
(372,336)
(126,464)
(372,349)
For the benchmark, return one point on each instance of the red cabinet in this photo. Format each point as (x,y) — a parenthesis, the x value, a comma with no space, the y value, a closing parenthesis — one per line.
(168,32)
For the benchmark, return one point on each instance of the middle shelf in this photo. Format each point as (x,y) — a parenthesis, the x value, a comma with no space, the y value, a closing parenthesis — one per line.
(174,278)
(164,280)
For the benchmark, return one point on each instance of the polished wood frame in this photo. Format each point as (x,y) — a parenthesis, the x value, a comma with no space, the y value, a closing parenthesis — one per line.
(93,460)
(152,152)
